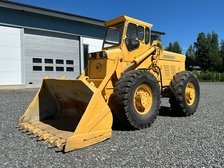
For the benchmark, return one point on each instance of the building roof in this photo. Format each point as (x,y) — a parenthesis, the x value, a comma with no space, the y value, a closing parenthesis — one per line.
(49,12)
(158,32)
(55,13)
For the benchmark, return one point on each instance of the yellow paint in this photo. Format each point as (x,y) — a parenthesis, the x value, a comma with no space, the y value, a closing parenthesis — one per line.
(72,114)
(190,94)
(170,65)
(143,99)
(127,19)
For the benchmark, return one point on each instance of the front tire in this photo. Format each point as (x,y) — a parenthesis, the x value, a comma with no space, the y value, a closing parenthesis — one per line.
(137,94)
(185,93)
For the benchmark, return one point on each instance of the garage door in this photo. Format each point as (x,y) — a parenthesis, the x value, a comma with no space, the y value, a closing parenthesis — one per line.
(10,56)
(50,54)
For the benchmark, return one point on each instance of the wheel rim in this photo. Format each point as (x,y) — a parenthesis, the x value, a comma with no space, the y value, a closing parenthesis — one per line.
(143,99)
(190,94)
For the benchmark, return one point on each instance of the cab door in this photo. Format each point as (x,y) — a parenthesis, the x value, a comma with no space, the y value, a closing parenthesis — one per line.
(136,41)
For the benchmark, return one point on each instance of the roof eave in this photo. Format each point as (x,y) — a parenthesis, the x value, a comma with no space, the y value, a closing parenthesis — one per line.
(48,12)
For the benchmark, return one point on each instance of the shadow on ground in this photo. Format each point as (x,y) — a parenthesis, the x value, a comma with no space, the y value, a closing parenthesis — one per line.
(167,112)
(164,111)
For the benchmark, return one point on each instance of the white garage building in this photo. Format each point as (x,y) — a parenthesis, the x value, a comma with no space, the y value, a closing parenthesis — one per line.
(37,42)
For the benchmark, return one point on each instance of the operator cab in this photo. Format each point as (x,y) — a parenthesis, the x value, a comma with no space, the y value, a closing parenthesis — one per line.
(136,34)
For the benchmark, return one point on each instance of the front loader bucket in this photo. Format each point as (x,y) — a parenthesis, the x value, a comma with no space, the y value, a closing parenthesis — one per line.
(69,114)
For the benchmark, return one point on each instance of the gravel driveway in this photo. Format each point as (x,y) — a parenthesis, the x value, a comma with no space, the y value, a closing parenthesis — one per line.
(195,141)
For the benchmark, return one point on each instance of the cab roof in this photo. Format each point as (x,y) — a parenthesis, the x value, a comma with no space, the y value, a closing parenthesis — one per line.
(129,19)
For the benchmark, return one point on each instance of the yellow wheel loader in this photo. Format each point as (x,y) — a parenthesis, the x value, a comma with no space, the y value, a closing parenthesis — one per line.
(123,82)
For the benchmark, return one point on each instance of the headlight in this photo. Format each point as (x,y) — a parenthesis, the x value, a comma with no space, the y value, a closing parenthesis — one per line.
(92,55)
(103,54)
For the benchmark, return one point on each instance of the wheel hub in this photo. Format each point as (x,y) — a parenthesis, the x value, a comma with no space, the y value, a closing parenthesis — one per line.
(143,99)
(190,94)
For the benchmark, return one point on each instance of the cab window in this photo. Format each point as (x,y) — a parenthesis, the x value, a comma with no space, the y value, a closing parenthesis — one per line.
(131,41)
(141,33)
(132,31)
(113,35)
(147,35)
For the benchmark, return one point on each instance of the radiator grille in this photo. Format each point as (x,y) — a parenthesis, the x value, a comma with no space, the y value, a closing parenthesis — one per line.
(173,70)
(166,70)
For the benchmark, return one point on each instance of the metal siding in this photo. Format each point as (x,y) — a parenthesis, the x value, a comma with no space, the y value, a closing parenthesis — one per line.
(27,19)
(49,12)
(22,56)
(94,46)
(10,56)
(49,46)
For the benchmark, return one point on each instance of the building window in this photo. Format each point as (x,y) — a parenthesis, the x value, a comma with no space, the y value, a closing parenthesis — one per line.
(37,60)
(59,68)
(48,61)
(37,68)
(49,68)
(70,69)
(59,61)
(85,54)
(69,62)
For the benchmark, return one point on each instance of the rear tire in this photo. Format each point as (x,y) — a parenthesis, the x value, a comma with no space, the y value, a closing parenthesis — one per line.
(137,95)
(185,93)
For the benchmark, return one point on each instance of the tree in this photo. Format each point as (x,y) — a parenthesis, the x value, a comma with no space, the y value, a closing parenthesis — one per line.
(207,54)
(174,47)
(201,51)
(221,52)
(190,57)
(216,60)
(169,47)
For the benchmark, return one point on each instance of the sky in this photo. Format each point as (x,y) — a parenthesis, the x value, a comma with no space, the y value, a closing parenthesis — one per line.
(180,20)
